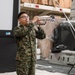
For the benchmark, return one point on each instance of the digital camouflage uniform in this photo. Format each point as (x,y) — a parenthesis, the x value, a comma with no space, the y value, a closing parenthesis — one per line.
(26,44)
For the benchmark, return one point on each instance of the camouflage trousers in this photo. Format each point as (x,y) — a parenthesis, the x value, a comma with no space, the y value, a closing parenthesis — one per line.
(25,67)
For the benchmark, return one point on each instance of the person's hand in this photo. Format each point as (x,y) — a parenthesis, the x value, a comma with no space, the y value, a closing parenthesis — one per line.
(35,19)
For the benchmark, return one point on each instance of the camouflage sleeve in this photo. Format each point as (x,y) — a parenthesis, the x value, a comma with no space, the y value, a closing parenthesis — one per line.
(20,32)
(40,34)
(30,26)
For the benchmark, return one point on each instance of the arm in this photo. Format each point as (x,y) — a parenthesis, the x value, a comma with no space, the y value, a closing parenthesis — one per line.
(40,34)
(20,32)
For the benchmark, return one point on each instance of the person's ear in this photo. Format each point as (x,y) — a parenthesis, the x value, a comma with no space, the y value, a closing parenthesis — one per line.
(19,20)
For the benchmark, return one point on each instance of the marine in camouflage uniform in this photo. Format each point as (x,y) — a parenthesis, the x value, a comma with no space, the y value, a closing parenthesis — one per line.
(26,44)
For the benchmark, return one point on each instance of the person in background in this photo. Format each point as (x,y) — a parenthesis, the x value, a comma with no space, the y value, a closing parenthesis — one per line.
(26,34)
